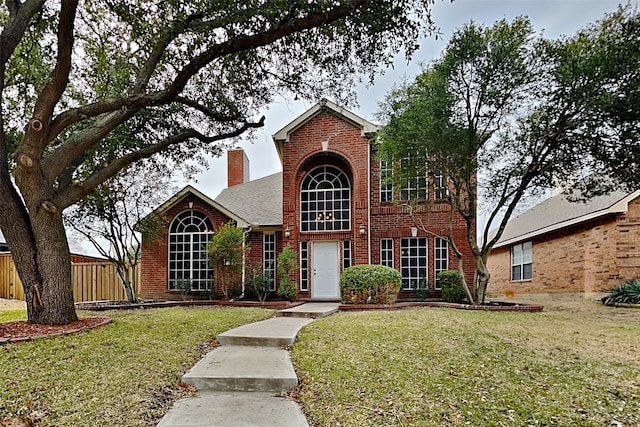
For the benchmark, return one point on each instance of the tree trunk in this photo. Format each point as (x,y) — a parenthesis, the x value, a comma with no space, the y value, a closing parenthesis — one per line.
(44,267)
(481,279)
(36,236)
(128,285)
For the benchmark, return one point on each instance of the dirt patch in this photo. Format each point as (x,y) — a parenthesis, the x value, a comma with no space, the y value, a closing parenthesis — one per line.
(12,304)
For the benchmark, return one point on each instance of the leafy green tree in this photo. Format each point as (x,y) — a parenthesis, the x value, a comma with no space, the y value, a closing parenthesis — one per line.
(287,265)
(89,88)
(503,114)
(227,251)
(116,215)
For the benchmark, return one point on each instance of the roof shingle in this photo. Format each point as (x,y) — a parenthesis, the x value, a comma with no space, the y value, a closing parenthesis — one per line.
(259,202)
(557,212)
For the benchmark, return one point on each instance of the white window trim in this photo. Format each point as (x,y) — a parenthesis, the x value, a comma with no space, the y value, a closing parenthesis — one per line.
(526,258)
(388,249)
(445,259)
(269,255)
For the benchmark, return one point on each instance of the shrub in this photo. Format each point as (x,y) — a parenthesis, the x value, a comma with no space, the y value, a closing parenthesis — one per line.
(287,265)
(452,289)
(370,284)
(184,286)
(259,283)
(422,291)
(227,251)
(626,293)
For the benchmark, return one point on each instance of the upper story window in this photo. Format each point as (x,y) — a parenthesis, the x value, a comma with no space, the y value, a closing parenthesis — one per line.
(386,187)
(325,199)
(415,187)
(440,190)
(189,265)
(521,261)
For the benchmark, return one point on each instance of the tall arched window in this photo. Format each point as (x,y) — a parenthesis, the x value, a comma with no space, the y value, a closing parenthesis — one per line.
(325,198)
(189,264)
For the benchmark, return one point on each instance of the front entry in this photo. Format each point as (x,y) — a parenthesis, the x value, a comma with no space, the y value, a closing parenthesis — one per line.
(326,272)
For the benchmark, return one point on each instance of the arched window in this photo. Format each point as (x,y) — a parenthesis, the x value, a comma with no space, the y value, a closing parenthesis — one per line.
(325,198)
(189,264)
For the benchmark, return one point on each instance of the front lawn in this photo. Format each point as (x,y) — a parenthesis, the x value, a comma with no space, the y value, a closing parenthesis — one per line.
(123,374)
(432,367)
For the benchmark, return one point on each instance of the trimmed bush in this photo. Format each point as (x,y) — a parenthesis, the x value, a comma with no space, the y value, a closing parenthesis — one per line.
(626,293)
(370,284)
(452,289)
(287,265)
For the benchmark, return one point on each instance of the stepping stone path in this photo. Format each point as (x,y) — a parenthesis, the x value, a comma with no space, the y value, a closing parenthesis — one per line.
(240,382)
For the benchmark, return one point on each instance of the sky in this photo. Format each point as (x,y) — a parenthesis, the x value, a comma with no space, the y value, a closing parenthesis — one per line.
(552,18)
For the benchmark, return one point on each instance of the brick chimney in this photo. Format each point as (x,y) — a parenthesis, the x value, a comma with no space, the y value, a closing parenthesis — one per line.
(237,167)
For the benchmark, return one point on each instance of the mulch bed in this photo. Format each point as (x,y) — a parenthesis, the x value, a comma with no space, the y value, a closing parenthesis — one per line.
(21,331)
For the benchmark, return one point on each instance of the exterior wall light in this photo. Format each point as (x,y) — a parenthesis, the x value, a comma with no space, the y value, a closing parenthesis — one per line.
(287,232)
(190,205)
(363,231)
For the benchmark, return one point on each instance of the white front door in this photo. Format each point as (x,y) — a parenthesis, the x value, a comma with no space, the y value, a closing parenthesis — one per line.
(326,271)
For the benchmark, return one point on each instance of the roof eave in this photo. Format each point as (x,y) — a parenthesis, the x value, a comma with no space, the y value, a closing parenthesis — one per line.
(180,195)
(282,136)
(621,206)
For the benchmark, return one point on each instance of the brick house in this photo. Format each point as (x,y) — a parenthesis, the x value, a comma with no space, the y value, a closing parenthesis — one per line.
(329,203)
(569,247)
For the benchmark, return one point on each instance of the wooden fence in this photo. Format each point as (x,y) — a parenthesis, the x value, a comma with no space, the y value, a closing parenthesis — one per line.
(92,281)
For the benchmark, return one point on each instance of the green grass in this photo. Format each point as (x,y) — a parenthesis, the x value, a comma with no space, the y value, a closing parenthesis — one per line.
(432,367)
(124,374)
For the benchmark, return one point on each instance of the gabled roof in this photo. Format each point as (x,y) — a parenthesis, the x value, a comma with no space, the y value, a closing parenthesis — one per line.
(282,136)
(557,212)
(189,190)
(259,201)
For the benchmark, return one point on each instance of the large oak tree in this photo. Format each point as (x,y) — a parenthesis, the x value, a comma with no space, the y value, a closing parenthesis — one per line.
(90,87)
(505,113)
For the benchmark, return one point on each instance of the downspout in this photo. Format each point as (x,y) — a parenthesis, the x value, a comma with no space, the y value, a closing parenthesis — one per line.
(244,259)
(369,204)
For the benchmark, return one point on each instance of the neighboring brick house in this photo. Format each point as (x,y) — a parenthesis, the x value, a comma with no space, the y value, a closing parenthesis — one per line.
(569,247)
(329,203)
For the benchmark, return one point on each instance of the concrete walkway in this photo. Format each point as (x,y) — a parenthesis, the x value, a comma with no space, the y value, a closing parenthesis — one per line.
(239,383)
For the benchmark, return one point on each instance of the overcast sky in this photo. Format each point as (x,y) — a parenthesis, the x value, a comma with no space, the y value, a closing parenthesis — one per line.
(553,18)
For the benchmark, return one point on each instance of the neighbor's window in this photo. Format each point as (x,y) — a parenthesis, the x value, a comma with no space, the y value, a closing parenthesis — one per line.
(413,261)
(325,198)
(521,261)
(269,257)
(189,234)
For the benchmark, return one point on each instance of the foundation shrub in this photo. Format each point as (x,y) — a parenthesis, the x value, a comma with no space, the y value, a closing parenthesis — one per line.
(626,293)
(452,289)
(370,284)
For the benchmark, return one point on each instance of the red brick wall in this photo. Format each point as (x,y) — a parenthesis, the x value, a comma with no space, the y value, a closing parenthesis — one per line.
(324,139)
(353,154)
(590,257)
(155,253)
(237,167)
